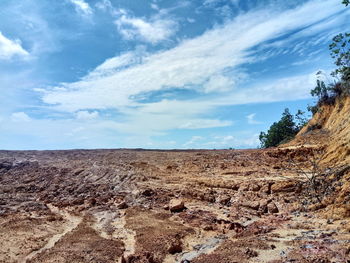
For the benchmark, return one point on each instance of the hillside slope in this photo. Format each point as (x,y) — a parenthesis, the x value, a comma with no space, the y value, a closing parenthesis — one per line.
(329,128)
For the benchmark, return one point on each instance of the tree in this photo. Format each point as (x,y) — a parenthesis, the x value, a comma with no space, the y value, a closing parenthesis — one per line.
(340,85)
(320,91)
(282,131)
(346,2)
(340,52)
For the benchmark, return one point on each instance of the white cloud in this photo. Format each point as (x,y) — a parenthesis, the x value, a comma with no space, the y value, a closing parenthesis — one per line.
(10,48)
(191,63)
(218,83)
(154,6)
(209,63)
(221,141)
(107,6)
(82,7)
(152,30)
(204,123)
(104,5)
(251,120)
(192,141)
(191,20)
(86,115)
(20,117)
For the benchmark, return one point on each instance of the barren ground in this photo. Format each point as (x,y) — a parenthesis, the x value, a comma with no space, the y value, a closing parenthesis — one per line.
(112,206)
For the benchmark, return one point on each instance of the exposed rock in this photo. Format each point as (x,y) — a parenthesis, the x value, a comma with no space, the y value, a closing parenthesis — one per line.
(148,192)
(176,205)
(251,204)
(272,208)
(224,199)
(175,247)
(251,253)
(263,206)
(122,205)
(284,186)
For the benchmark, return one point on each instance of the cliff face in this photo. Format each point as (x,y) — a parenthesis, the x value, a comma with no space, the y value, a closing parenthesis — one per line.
(329,128)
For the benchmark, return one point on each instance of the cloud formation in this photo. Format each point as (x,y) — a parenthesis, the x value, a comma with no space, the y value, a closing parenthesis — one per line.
(198,64)
(207,64)
(153,30)
(20,117)
(251,120)
(86,115)
(82,7)
(11,48)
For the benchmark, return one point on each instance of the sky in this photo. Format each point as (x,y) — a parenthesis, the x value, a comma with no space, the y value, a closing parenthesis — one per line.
(159,74)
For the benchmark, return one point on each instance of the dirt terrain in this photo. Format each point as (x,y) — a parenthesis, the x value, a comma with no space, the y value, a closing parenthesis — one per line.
(202,206)
(113,206)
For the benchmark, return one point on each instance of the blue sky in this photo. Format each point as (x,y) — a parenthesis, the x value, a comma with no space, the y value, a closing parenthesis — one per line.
(157,74)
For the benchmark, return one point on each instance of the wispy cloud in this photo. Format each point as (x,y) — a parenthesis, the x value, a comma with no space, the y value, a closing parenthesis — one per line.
(20,117)
(86,115)
(192,141)
(82,7)
(251,120)
(190,65)
(208,64)
(11,48)
(153,30)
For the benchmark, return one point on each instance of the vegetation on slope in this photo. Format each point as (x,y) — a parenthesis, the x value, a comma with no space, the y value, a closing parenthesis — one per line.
(326,93)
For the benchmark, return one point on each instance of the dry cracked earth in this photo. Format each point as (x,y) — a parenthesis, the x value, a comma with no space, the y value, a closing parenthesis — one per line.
(161,206)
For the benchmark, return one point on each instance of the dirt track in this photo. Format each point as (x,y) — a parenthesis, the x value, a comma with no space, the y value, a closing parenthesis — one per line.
(112,206)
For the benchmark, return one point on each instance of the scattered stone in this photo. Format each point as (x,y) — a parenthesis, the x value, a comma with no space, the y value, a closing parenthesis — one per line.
(251,253)
(284,186)
(224,200)
(263,206)
(347,251)
(176,205)
(330,221)
(251,204)
(175,247)
(208,228)
(254,187)
(272,208)
(148,192)
(122,205)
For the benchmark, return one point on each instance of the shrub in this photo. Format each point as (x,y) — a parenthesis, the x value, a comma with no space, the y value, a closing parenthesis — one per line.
(283,130)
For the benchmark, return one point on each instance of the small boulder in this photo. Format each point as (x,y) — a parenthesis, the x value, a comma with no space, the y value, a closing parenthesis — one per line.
(263,206)
(251,204)
(148,192)
(122,205)
(284,187)
(176,205)
(175,247)
(224,200)
(272,208)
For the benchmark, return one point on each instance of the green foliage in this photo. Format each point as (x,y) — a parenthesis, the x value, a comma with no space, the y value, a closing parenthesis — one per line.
(326,93)
(340,52)
(302,120)
(321,91)
(283,130)
(312,108)
(346,2)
